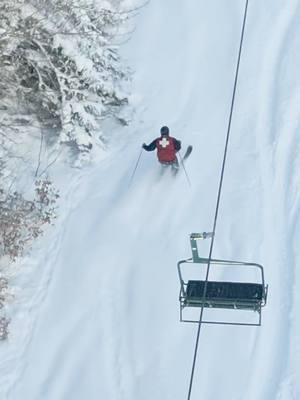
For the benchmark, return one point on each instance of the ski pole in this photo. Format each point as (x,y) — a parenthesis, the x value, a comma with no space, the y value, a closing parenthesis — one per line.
(186,174)
(135,168)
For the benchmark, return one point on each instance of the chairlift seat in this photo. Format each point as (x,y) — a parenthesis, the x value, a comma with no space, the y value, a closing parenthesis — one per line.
(230,295)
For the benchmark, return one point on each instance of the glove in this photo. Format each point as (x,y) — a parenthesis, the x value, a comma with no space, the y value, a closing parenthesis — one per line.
(144,146)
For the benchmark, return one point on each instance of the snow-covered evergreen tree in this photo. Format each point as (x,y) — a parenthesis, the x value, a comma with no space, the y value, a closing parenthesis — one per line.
(59,67)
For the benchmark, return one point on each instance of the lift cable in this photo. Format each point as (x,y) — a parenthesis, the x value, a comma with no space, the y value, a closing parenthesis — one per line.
(218,197)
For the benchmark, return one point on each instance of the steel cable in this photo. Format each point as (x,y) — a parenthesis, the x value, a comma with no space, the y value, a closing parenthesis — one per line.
(218,197)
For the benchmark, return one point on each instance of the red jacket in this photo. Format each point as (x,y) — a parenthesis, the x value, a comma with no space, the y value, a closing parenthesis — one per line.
(166,146)
(166,150)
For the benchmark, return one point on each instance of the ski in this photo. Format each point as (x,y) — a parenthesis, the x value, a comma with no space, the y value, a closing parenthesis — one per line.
(187,153)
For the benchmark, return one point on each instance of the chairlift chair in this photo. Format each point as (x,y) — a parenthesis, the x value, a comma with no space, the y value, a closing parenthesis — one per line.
(243,296)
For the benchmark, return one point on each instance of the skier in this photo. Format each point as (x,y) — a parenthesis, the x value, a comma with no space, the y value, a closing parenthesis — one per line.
(166,147)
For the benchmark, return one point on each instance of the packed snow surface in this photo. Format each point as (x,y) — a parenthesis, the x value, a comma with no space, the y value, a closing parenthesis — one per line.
(98,299)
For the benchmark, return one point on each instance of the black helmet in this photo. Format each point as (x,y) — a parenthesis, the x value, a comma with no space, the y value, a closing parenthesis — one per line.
(164,130)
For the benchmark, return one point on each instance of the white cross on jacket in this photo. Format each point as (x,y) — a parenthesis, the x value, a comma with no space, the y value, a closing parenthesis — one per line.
(164,142)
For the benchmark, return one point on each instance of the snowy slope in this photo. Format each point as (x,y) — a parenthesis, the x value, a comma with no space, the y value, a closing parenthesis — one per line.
(101,318)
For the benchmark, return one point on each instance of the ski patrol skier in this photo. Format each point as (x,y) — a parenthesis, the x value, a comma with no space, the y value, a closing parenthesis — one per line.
(166,147)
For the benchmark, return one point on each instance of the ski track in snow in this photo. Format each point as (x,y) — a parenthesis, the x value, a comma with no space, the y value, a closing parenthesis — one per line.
(102,319)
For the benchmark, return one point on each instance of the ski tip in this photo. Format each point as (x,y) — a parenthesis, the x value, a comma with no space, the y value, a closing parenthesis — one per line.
(187,152)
